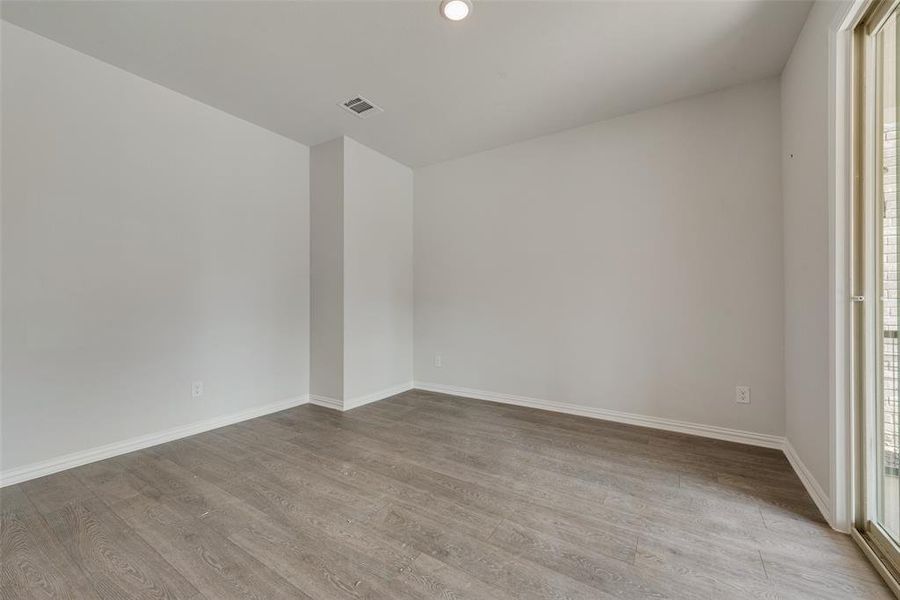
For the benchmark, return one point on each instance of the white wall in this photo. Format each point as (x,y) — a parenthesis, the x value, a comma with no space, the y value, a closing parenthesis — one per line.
(326,187)
(362,302)
(632,265)
(378,272)
(804,106)
(148,240)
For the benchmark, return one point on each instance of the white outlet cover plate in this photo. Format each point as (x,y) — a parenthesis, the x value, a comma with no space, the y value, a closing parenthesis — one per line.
(742,394)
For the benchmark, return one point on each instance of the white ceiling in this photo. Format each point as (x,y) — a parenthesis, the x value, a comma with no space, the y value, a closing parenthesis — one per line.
(511,71)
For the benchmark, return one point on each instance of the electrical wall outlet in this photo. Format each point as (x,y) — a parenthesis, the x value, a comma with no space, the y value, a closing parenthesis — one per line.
(742,394)
(438,361)
(196,389)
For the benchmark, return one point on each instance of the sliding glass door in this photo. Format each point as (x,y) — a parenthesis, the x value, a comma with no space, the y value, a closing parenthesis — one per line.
(887,481)
(878,246)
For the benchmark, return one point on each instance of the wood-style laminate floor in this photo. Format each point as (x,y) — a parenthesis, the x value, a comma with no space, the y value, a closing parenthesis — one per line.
(427,496)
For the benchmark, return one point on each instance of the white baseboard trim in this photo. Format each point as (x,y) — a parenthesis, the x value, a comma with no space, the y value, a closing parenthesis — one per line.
(352,403)
(77,459)
(708,431)
(376,396)
(327,402)
(815,491)
(812,486)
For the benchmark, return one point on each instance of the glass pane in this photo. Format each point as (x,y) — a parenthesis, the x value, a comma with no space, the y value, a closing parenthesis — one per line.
(888,421)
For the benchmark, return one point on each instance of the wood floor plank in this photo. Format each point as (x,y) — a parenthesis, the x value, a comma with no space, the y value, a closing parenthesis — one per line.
(110,480)
(723,570)
(584,564)
(372,483)
(52,493)
(32,564)
(207,559)
(315,565)
(486,562)
(792,579)
(426,496)
(431,578)
(447,460)
(118,563)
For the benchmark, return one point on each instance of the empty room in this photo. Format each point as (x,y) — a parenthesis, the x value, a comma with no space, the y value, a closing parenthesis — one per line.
(449,299)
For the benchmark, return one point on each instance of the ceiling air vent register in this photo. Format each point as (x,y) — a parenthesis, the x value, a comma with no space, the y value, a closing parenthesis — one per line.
(360,107)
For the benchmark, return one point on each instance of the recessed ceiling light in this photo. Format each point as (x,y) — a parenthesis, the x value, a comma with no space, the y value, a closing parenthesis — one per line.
(456,10)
